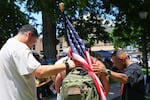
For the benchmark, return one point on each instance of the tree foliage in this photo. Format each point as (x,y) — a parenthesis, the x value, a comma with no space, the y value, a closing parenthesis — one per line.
(92,24)
(49,9)
(75,10)
(11,18)
(130,29)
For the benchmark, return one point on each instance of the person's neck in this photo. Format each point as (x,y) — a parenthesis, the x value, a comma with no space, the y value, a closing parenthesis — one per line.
(19,37)
(128,63)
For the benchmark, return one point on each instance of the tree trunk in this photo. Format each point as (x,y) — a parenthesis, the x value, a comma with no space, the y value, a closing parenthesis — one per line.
(49,36)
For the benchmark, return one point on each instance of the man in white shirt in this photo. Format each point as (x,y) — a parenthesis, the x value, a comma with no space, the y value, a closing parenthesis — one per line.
(18,67)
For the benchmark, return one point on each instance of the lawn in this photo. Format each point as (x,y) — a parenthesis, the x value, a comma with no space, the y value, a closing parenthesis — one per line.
(147,97)
(144,70)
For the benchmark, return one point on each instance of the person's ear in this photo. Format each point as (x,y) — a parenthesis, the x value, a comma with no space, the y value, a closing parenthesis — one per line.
(28,34)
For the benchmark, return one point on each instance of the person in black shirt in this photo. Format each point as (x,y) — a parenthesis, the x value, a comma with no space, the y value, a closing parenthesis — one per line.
(130,76)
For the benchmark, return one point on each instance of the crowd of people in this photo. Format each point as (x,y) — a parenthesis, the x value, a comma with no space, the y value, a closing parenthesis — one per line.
(19,67)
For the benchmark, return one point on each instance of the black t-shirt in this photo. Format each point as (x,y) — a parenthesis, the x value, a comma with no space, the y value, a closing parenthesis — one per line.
(134,89)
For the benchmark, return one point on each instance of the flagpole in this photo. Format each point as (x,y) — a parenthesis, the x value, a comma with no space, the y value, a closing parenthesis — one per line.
(62,8)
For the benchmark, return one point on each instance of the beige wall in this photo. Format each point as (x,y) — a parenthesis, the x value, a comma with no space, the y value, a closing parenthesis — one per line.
(100,46)
(39,45)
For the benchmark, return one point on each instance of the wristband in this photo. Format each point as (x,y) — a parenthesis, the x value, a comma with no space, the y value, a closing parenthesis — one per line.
(108,72)
(67,67)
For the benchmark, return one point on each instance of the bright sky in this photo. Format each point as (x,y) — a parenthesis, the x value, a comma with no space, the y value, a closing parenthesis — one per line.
(37,16)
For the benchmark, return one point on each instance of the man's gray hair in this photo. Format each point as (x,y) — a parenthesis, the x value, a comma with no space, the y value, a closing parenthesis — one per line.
(28,27)
(118,52)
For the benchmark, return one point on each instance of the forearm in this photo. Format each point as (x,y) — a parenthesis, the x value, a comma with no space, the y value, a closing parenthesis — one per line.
(119,77)
(48,70)
(105,82)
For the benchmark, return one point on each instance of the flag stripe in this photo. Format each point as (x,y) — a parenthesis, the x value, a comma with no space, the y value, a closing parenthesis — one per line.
(75,39)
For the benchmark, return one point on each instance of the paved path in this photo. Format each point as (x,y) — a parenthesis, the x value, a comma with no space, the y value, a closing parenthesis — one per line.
(114,91)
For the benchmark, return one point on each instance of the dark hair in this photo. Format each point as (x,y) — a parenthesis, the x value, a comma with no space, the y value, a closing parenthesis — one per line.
(28,27)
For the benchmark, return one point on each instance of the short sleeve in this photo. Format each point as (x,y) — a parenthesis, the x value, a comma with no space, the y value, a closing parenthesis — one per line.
(25,61)
(134,74)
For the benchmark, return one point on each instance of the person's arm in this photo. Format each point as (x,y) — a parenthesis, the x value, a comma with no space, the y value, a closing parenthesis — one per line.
(105,82)
(48,70)
(58,81)
(119,77)
(104,79)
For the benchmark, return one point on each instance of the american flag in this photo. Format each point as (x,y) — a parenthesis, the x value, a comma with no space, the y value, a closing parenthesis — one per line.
(79,53)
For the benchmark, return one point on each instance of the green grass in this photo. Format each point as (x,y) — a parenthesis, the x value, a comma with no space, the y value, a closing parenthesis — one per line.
(147,97)
(144,70)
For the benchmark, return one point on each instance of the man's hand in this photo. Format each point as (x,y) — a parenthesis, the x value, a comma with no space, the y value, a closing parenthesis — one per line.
(99,68)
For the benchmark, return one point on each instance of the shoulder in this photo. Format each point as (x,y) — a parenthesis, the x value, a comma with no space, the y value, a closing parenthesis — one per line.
(15,44)
(132,69)
(135,66)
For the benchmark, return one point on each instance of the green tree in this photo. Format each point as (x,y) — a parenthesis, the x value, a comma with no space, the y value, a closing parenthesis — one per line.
(49,9)
(130,29)
(92,25)
(50,12)
(75,9)
(11,18)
